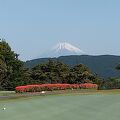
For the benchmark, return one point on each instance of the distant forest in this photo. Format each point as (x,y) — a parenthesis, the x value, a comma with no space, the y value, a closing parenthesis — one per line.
(103,65)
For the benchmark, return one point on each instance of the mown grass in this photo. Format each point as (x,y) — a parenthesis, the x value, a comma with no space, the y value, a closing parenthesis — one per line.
(81,105)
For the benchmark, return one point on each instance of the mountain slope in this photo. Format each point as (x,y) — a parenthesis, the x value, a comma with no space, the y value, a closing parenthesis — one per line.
(103,65)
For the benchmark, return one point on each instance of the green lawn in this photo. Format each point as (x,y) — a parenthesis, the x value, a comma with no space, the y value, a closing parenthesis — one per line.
(62,107)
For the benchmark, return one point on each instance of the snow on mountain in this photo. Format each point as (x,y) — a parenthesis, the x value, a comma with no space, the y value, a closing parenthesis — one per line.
(63,49)
(68,47)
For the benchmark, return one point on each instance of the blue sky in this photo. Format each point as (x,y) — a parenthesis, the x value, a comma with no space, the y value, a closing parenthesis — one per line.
(31,27)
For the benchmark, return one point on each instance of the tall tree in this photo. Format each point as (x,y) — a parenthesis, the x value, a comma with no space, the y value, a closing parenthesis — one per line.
(10,66)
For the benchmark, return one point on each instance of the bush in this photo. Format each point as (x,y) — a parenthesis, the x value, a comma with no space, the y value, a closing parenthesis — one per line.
(50,87)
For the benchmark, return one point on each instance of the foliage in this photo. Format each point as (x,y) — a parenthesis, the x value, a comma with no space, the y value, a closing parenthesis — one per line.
(13,73)
(81,74)
(57,72)
(10,67)
(118,67)
(51,72)
(103,65)
(111,83)
(50,87)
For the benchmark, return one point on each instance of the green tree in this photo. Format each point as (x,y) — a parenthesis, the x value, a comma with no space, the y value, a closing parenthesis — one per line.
(10,66)
(81,74)
(51,72)
(118,67)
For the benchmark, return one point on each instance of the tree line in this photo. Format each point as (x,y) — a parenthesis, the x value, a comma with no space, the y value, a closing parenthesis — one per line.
(13,73)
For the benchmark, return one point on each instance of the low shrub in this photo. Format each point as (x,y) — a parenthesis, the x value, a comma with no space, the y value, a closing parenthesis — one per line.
(50,87)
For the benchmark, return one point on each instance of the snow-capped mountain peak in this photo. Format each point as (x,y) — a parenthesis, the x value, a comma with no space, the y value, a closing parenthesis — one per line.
(67,46)
(63,49)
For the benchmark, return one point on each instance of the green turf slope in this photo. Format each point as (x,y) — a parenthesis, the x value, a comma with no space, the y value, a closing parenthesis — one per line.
(62,107)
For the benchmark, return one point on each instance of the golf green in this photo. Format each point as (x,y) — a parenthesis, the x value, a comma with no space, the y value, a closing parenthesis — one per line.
(62,107)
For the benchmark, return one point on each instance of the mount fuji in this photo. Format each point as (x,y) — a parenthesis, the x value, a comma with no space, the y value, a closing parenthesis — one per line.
(64,49)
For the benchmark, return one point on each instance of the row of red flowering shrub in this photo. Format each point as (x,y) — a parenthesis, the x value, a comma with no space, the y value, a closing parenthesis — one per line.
(50,87)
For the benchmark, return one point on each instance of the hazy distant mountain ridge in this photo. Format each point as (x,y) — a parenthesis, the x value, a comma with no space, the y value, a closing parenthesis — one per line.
(103,65)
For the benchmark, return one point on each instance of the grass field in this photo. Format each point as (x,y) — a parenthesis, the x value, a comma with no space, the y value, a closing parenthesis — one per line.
(77,106)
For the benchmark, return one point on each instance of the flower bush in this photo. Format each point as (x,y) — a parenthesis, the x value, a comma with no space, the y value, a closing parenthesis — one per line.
(50,87)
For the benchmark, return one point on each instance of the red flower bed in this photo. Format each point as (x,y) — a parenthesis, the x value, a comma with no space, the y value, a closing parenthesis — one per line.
(50,87)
